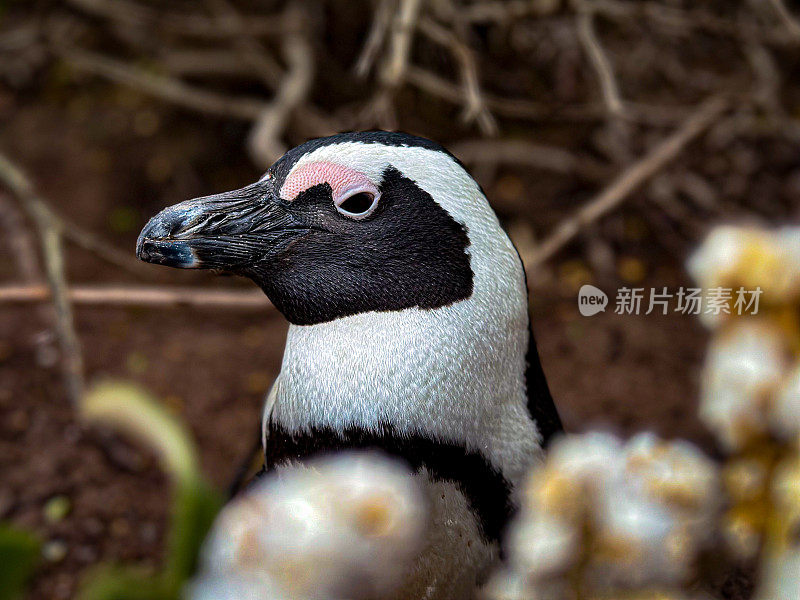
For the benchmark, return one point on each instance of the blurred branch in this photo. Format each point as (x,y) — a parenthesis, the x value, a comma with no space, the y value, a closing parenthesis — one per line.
(292,87)
(598,57)
(270,117)
(200,62)
(767,77)
(154,296)
(508,107)
(527,154)
(505,11)
(683,22)
(630,179)
(134,14)
(789,22)
(250,49)
(164,87)
(474,104)
(528,110)
(375,38)
(379,109)
(264,139)
(19,240)
(50,239)
(403,26)
(73,232)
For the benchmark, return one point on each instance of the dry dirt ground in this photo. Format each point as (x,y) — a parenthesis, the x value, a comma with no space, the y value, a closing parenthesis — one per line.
(212,367)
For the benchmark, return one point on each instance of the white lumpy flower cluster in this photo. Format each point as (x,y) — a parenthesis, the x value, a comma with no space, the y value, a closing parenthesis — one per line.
(751,383)
(746,387)
(345,526)
(751,398)
(602,518)
(782,569)
(604,514)
(733,257)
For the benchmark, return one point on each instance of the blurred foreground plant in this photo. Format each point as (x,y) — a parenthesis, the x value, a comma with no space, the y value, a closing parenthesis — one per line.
(19,552)
(751,398)
(344,526)
(604,519)
(194,505)
(347,526)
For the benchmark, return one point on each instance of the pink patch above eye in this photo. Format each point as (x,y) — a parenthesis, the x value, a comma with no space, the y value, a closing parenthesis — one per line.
(342,180)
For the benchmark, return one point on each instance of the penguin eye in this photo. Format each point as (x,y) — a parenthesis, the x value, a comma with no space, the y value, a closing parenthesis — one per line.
(357,203)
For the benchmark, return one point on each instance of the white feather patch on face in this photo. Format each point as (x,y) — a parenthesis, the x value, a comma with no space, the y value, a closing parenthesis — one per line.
(435,172)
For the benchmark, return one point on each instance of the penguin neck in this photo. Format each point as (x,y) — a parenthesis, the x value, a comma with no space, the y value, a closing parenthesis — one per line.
(453,375)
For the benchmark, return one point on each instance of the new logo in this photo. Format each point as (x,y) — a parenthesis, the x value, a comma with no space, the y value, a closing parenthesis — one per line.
(591,300)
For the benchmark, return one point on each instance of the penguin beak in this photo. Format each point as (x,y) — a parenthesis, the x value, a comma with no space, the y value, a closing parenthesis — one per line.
(230,231)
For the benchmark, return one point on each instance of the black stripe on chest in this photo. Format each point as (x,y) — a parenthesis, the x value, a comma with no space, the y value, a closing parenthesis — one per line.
(484,486)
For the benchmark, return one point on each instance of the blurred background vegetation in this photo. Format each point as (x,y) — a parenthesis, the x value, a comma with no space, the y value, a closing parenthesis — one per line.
(609,136)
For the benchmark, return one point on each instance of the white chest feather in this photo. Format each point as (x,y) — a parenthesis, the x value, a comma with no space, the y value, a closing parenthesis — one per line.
(453,374)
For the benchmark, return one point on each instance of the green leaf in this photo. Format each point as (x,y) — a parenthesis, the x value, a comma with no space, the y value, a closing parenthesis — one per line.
(194,509)
(19,552)
(108,582)
(132,410)
(195,502)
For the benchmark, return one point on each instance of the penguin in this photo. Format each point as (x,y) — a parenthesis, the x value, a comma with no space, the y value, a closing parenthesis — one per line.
(409,328)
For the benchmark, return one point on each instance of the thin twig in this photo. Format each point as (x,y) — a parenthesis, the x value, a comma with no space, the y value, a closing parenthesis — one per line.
(630,179)
(250,49)
(132,14)
(153,296)
(264,140)
(682,22)
(22,244)
(403,27)
(309,120)
(87,240)
(527,110)
(767,77)
(19,240)
(505,11)
(474,104)
(789,21)
(598,58)
(375,37)
(203,62)
(527,154)
(72,360)
(507,107)
(292,87)
(377,111)
(164,87)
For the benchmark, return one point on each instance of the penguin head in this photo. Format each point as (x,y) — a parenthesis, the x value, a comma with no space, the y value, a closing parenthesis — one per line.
(407,299)
(352,223)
